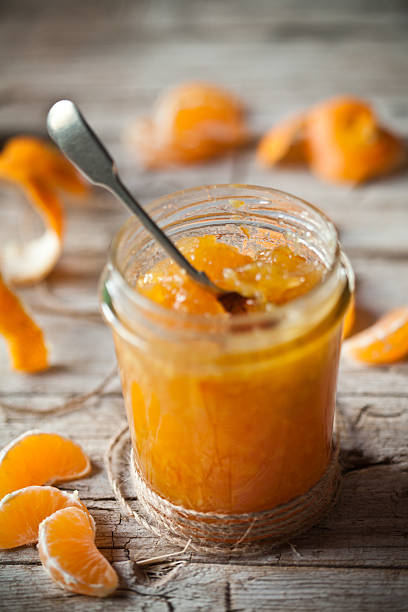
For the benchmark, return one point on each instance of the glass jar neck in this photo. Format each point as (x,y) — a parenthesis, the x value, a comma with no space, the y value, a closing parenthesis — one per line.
(223,210)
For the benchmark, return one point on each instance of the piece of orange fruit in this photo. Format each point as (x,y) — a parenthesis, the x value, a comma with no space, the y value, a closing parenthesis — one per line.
(40,170)
(37,458)
(349,318)
(22,511)
(346,143)
(340,139)
(25,157)
(66,545)
(191,122)
(284,143)
(25,339)
(384,342)
(25,161)
(29,262)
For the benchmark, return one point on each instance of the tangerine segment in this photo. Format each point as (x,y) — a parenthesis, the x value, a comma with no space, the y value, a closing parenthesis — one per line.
(37,458)
(66,545)
(384,342)
(190,123)
(25,339)
(22,511)
(283,143)
(346,143)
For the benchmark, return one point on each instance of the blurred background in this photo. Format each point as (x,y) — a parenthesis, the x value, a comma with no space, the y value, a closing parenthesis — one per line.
(279,56)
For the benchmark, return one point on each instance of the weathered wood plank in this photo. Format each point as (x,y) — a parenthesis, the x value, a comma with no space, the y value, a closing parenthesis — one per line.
(198,587)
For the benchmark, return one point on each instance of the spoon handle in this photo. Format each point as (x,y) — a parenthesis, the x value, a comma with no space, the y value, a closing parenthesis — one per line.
(79,143)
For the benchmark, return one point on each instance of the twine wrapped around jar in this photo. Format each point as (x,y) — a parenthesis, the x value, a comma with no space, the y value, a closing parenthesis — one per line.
(213,533)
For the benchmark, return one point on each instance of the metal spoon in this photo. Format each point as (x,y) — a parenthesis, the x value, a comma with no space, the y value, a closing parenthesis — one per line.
(79,143)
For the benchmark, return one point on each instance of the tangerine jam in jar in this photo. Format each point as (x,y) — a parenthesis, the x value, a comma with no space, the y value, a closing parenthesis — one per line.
(229,414)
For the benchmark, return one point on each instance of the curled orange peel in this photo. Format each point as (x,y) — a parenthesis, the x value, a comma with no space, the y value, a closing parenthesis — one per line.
(340,139)
(25,339)
(384,342)
(30,262)
(191,122)
(346,143)
(39,170)
(27,156)
(284,143)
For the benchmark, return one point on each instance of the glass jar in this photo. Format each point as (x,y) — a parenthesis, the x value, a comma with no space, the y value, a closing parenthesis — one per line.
(229,414)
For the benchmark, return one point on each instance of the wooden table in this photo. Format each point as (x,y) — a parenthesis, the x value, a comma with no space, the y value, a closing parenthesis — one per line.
(113,58)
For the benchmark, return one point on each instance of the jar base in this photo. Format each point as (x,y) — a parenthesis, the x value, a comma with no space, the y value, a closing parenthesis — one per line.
(221,534)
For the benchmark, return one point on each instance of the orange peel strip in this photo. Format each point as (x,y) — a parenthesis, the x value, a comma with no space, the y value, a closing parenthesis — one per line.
(191,122)
(66,545)
(346,143)
(22,511)
(384,342)
(25,339)
(284,143)
(39,170)
(26,156)
(38,458)
(29,263)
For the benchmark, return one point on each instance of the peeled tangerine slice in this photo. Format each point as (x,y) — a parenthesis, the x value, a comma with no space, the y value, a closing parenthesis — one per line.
(66,545)
(38,458)
(22,511)
(384,342)
(25,339)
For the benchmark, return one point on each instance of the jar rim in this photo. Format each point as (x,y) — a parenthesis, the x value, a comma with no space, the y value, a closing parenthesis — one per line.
(218,323)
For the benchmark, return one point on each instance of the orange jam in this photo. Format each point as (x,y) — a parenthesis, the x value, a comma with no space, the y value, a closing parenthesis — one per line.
(269,275)
(233,431)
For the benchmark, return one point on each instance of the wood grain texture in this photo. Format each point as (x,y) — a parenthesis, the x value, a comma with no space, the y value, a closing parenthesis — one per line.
(280,56)
(211,587)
